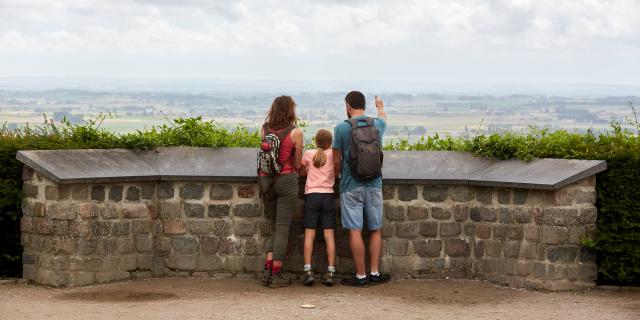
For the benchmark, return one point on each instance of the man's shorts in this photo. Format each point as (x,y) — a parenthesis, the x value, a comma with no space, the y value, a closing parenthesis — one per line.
(362,203)
(319,210)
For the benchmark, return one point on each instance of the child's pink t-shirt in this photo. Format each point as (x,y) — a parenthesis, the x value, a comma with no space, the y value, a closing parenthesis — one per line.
(319,180)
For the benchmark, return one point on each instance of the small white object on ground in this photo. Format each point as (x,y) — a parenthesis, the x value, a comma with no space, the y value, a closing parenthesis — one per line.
(308,306)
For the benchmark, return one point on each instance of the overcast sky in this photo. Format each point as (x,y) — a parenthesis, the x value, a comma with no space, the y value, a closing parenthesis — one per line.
(448,41)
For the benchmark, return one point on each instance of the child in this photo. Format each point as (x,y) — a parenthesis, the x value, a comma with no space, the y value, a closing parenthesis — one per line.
(319,204)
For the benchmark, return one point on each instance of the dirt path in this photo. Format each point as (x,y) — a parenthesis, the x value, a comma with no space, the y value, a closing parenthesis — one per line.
(193,298)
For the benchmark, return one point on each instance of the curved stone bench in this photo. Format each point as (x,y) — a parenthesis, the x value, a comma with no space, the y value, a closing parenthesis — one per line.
(93,216)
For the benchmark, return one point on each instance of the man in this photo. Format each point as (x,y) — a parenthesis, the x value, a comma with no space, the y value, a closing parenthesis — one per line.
(361,200)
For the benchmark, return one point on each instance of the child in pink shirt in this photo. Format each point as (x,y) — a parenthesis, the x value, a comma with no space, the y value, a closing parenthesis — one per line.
(319,204)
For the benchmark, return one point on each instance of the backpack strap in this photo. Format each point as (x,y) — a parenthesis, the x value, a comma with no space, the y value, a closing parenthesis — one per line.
(354,122)
(281,135)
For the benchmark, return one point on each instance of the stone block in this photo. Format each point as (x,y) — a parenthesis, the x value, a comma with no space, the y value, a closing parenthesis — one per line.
(566,254)
(429,228)
(489,214)
(469,230)
(587,272)
(398,247)
(557,217)
(511,249)
(62,211)
(169,210)
(193,210)
(450,229)
(483,231)
(407,229)
(140,227)
(184,245)
(221,192)
(126,245)
(265,229)
(80,278)
(388,192)
(475,214)
(539,270)
(192,191)
(504,196)
(147,191)
(209,263)
(417,212)
(26,224)
(144,262)
(246,191)
(181,262)
(244,228)
(585,197)
(522,215)
(587,255)
(500,232)
(435,193)
(479,249)
(440,213)
(165,190)
(233,263)
(144,243)
(128,262)
(97,193)
(588,215)
(174,227)
(387,229)
(120,228)
(515,233)
(484,195)
(222,228)
(531,233)
(554,235)
(524,268)
(407,192)
(509,266)
(60,246)
(555,272)
(529,251)
(246,210)
(218,210)
(576,234)
(136,211)
(506,215)
(252,247)
(30,190)
(110,211)
(161,246)
(52,278)
(520,196)
(460,213)
(428,248)
(90,211)
(456,247)
(115,193)
(107,246)
(461,194)
(493,248)
(27,173)
(394,212)
(133,194)
(100,228)
(199,226)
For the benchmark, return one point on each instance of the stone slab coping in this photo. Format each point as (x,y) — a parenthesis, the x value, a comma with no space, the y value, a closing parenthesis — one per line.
(239,164)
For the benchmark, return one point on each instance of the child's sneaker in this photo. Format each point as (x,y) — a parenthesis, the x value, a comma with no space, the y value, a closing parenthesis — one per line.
(327,278)
(266,276)
(355,281)
(279,280)
(379,279)
(308,278)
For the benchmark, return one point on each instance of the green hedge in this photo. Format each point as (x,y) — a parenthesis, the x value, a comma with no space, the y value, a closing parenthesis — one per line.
(618,238)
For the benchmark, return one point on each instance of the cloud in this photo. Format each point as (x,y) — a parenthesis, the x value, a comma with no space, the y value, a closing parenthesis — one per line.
(330,30)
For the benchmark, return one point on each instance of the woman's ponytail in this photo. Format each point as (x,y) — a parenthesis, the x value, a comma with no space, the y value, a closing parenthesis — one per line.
(319,159)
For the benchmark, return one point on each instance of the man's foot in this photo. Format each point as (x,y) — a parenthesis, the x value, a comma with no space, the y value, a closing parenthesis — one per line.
(279,280)
(355,281)
(266,276)
(327,278)
(308,278)
(379,279)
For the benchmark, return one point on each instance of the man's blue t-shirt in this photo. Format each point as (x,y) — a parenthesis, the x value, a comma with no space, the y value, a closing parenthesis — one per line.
(342,141)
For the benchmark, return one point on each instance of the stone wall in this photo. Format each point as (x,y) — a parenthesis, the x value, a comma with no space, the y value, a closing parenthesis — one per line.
(81,234)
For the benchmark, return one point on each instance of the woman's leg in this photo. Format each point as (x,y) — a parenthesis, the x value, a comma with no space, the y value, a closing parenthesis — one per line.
(286,189)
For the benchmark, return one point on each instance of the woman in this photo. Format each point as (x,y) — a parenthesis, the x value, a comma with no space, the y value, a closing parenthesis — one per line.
(280,192)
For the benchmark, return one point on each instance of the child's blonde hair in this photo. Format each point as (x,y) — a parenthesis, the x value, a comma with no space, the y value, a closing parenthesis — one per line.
(323,141)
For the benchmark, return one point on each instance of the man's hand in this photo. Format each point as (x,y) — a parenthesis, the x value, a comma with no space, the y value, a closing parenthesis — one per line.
(380,107)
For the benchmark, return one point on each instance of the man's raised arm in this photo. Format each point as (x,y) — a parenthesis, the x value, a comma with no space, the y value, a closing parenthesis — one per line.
(380,107)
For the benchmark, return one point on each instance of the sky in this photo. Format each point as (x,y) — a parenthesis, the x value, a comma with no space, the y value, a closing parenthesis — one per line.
(453,41)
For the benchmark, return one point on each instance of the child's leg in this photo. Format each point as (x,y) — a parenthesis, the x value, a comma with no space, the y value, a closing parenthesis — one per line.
(331,247)
(309,236)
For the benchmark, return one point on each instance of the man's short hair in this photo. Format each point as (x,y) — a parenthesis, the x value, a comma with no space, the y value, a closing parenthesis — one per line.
(356,100)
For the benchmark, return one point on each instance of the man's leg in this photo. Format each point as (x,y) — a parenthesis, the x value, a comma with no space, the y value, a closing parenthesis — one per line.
(375,245)
(357,251)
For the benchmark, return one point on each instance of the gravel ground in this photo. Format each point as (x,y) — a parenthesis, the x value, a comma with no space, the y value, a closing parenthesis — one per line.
(195,298)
